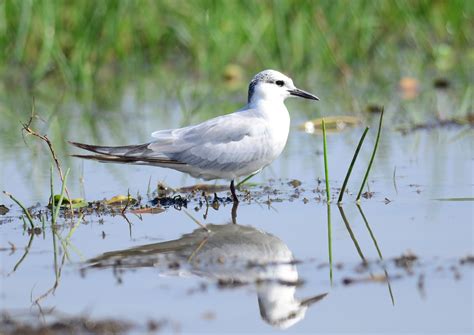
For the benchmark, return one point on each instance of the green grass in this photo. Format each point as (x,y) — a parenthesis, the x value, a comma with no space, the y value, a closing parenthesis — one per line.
(329,242)
(379,252)
(364,181)
(351,166)
(57,206)
(26,212)
(326,169)
(352,235)
(80,41)
(328,197)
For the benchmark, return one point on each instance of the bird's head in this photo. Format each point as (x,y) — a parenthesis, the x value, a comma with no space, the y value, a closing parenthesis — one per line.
(273,85)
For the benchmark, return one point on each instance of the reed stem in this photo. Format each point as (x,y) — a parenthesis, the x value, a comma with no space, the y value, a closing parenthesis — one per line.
(329,242)
(371,158)
(61,198)
(27,213)
(349,171)
(326,170)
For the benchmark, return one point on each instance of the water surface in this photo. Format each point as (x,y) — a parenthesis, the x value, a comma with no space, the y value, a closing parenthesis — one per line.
(271,271)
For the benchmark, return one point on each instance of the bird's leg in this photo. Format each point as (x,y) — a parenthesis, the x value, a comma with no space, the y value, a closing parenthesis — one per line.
(232,190)
(235,205)
(207,205)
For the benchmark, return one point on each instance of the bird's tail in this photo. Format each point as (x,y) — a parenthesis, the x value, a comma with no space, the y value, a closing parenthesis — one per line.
(126,150)
(134,154)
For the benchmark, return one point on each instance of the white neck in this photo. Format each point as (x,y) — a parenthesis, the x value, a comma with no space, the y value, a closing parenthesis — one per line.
(267,93)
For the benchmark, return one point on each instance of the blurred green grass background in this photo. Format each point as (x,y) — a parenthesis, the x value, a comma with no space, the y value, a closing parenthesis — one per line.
(78,42)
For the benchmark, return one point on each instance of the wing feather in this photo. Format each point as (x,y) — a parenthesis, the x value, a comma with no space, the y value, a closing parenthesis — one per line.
(221,143)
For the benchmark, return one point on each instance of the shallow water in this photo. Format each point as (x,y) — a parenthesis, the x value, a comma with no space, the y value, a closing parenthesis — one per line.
(256,276)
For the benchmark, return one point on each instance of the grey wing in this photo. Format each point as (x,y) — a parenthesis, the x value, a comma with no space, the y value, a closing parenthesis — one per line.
(224,143)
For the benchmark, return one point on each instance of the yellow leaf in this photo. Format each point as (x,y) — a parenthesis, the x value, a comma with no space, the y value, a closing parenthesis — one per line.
(333,124)
(121,200)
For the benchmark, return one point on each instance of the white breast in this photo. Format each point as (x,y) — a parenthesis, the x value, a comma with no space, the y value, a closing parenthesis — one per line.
(278,120)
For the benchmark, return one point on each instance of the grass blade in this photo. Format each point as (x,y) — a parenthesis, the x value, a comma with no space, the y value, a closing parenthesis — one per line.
(371,158)
(246,179)
(349,171)
(196,221)
(395,179)
(455,199)
(351,234)
(61,198)
(326,172)
(52,192)
(372,236)
(27,213)
(329,241)
(27,250)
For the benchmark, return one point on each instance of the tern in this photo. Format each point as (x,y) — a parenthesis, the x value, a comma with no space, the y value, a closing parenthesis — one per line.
(225,147)
(228,254)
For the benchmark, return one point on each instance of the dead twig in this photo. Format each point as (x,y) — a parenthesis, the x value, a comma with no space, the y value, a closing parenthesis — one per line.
(27,128)
(127,204)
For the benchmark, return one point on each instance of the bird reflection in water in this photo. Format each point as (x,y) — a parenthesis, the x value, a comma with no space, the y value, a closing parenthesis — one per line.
(231,254)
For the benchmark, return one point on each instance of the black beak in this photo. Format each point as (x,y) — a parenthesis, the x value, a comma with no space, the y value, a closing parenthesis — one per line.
(312,300)
(303,94)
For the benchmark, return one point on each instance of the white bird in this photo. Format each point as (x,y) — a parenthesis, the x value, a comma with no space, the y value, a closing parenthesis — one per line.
(226,147)
(229,254)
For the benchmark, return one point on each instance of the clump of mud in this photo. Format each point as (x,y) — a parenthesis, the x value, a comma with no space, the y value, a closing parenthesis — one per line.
(10,325)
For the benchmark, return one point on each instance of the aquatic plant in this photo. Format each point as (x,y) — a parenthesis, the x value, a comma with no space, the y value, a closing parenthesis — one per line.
(371,157)
(349,170)
(326,169)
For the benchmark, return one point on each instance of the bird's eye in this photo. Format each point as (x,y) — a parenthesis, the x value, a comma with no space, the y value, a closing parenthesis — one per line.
(280,83)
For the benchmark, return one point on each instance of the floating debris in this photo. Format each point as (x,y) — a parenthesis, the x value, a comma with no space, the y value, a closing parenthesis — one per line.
(177,202)
(294,183)
(406,260)
(229,283)
(174,266)
(334,124)
(382,278)
(456,273)
(368,195)
(68,203)
(64,325)
(208,188)
(155,326)
(409,87)
(421,285)
(163,190)
(35,230)
(121,200)
(3,210)
(468,120)
(148,210)
(209,315)
(469,259)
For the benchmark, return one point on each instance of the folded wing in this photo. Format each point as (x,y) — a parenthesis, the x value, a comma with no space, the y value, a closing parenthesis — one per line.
(223,143)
